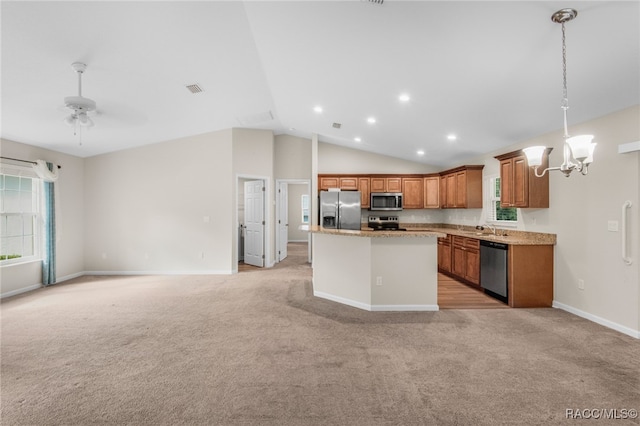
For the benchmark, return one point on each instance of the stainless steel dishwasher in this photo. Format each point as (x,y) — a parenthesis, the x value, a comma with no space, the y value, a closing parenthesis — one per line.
(493,269)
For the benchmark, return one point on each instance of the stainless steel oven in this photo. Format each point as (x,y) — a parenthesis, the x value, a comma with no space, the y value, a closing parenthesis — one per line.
(386,201)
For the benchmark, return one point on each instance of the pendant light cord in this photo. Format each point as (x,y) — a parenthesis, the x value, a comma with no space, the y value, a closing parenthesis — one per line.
(565,97)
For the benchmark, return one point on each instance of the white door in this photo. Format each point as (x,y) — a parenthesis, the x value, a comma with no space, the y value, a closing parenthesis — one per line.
(254,223)
(283,220)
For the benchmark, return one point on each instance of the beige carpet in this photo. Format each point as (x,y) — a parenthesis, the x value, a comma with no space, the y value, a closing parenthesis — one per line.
(257,348)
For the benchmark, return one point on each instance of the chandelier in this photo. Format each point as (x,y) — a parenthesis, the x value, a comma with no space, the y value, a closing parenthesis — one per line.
(79,105)
(577,150)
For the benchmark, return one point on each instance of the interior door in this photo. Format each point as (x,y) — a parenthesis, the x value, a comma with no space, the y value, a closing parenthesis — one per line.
(254,222)
(283,220)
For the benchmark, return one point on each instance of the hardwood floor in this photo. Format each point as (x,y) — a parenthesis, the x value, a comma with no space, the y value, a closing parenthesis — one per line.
(455,295)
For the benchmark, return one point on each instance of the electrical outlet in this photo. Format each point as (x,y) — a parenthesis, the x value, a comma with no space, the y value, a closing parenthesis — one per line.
(580,284)
(612,225)
(378,280)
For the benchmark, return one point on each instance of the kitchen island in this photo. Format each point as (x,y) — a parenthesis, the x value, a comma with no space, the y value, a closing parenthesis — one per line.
(376,270)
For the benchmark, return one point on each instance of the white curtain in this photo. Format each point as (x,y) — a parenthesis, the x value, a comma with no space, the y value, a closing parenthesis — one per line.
(43,171)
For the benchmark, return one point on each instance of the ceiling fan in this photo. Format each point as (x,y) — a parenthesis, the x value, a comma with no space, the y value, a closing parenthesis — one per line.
(79,105)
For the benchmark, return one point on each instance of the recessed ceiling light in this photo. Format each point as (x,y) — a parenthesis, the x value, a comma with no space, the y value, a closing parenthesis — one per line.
(404,97)
(371,120)
(317,109)
(357,139)
(420,152)
(452,137)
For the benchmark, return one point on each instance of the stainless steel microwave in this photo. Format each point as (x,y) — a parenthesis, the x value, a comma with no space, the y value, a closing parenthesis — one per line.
(386,201)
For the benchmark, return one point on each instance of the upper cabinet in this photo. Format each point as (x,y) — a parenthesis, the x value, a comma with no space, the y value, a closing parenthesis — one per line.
(413,192)
(462,188)
(364,184)
(519,186)
(431,186)
(386,184)
(456,188)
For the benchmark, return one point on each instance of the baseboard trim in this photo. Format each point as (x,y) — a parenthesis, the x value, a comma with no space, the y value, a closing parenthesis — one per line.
(604,322)
(70,277)
(405,308)
(342,300)
(205,272)
(20,291)
(376,308)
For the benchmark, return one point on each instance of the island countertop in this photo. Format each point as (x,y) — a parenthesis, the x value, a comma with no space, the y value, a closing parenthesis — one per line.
(370,233)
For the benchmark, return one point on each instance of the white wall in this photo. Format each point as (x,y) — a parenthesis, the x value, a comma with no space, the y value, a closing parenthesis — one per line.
(292,157)
(339,159)
(70,219)
(580,208)
(146,207)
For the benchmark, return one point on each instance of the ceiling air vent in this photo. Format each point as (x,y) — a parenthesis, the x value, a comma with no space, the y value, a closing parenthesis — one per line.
(194,88)
(373,1)
(336,125)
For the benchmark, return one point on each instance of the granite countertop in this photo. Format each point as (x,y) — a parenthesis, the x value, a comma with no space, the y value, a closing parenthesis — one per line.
(517,238)
(370,233)
(520,238)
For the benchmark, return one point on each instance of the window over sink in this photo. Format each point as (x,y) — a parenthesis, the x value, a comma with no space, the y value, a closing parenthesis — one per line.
(504,215)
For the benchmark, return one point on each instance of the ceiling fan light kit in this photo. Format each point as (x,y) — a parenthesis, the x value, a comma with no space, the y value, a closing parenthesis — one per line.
(578,150)
(79,105)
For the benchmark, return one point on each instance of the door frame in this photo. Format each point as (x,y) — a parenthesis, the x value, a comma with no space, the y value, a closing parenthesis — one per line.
(268,250)
(288,182)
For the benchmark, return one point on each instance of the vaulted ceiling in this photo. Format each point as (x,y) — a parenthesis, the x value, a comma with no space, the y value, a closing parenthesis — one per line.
(488,72)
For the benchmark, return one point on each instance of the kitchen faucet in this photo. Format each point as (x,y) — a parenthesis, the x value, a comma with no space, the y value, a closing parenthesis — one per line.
(491,227)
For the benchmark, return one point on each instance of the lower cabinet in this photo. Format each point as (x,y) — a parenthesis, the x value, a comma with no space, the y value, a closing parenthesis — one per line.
(466,259)
(444,254)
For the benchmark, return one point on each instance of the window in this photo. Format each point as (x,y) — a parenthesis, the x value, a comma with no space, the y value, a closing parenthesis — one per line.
(19,218)
(305,208)
(497,213)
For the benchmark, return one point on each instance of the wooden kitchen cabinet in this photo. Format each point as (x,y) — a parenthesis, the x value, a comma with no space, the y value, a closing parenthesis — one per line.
(349,183)
(413,192)
(365,193)
(444,254)
(443,192)
(466,259)
(463,187)
(530,276)
(431,197)
(345,183)
(327,182)
(386,184)
(519,186)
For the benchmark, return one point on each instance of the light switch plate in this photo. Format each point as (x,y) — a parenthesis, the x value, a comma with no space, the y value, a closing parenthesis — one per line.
(612,225)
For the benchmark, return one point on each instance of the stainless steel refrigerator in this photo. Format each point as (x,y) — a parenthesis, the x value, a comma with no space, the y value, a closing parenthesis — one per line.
(340,209)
